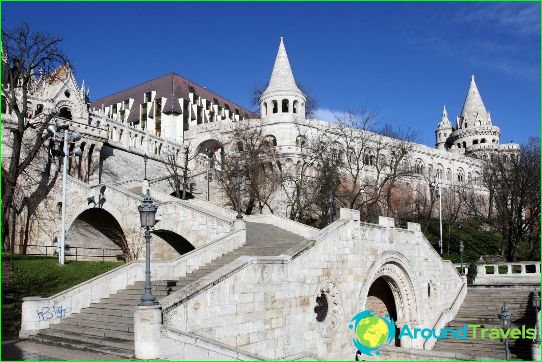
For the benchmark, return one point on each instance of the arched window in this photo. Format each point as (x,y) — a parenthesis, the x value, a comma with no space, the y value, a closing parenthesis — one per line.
(475,142)
(440,171)
(265,108)
(458,145)
(240,147)
(460,175)
(294,106)
(269,141)
(275,107)
(449,174)
(464,144)
(300,141)
(65,112)
(483,140)
(418,166)
(285,104)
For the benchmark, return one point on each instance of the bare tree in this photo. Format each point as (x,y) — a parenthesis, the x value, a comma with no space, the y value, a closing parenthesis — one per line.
(256,157)
(24,55)
(514,182)
(178,170)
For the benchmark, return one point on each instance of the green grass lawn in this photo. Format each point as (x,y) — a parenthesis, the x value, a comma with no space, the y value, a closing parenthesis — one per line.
(43,276)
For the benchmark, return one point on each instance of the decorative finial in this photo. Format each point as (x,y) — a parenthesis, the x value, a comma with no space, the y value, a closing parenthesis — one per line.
(472,77)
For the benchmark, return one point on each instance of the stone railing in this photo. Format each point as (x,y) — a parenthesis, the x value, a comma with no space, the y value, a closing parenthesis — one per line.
(505,273)
(178,345)
(448,314)
(286,224)
(38,313)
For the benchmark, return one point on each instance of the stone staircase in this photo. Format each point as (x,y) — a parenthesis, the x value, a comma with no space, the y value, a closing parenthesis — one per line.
(107,326)
(482,306)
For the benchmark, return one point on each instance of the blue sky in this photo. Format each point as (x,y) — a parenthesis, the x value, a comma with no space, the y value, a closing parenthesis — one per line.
(401,60)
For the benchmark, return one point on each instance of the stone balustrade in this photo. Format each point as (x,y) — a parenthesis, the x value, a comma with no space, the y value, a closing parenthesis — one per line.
(39,313)
(504,273)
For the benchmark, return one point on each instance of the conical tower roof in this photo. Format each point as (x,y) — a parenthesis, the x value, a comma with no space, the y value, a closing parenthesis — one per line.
(474,108)
(282,79)
(444,121)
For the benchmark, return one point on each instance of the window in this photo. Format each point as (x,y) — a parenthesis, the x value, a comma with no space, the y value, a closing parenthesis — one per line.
(460,175)
(285,105)
(294,106)
(275,107)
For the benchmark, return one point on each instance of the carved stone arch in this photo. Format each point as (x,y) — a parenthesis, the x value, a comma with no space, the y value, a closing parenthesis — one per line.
(74,110)
(402,279)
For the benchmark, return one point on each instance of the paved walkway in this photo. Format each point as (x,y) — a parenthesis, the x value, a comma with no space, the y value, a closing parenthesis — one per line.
(26,350)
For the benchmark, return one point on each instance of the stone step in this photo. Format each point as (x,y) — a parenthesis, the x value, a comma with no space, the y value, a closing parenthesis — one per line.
(104,318)
(113,346)
(124,326)
(93,331)
(102,310)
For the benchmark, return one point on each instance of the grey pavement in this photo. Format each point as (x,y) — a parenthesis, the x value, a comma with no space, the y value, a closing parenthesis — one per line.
(18,350)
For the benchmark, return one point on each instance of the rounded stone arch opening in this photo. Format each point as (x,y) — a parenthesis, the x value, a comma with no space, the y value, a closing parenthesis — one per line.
(100,227)
(216,149)
(170,245)
(392,274)
(380,299)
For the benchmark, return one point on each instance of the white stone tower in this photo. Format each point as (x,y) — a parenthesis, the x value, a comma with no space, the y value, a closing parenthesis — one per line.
(282,96)
(443,131)
(475,133)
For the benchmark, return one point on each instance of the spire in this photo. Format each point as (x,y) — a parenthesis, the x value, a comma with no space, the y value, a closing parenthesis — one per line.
(444,121)
(282,78)
(473,108)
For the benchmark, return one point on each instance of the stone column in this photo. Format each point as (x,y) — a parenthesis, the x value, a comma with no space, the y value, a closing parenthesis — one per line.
(147,324)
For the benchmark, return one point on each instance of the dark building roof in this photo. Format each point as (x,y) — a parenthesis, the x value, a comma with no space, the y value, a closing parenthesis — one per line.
(172,87)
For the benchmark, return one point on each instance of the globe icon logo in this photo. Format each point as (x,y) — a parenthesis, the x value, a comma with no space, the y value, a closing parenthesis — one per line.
(372,331)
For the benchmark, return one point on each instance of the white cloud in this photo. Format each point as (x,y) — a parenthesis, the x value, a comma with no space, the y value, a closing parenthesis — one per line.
(521,18)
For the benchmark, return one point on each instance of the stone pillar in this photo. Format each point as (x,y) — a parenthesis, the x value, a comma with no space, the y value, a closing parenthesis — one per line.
(239,224)
(147,324)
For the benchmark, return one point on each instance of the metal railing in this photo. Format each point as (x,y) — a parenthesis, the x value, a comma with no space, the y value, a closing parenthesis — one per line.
(72,252)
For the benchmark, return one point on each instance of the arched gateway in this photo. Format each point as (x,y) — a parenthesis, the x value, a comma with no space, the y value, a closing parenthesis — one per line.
(391,286)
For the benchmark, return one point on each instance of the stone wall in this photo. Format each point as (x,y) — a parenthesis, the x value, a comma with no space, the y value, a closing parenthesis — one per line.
(266,305)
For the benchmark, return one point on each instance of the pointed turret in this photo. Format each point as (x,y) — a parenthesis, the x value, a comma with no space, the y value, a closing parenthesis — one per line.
(282,94)
(474,113)
(444,129)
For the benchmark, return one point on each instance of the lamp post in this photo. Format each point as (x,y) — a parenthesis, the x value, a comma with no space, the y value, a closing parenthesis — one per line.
(535,349)
(147,214)
(506,321)
(238,174)
(66,138)
(209,155)
(461,250)
(438,190)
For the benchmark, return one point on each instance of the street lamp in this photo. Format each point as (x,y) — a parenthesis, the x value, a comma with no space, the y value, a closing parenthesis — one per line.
(68,137)
(438,190)
(238,174)
(147,214)
(506,321)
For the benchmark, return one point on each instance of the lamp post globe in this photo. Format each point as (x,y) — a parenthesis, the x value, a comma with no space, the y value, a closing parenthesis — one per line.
(147,212)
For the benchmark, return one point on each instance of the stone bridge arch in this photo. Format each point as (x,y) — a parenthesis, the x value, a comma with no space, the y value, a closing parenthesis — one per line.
(179,230)
(393,273)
